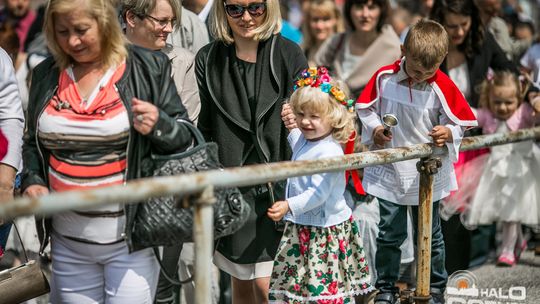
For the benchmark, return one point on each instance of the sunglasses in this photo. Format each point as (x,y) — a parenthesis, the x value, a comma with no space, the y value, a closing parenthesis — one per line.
(237,11)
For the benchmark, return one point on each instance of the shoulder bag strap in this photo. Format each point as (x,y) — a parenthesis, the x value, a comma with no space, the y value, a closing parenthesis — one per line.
(20,240)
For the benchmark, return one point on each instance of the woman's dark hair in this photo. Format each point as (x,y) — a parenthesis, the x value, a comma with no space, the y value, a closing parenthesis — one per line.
(475,38)
(382,4)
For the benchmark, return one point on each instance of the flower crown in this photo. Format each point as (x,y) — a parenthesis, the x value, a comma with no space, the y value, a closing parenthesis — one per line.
(319,78)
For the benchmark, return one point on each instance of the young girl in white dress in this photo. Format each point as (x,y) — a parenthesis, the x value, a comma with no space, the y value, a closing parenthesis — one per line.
(508,190)
(320,258)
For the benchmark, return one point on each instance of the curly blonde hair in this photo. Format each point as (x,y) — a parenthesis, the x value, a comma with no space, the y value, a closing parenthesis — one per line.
(313,99)
(499,79)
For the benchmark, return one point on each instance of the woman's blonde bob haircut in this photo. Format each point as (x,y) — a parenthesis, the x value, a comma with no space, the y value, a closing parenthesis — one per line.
(314,100)
(220,29)
(113,42)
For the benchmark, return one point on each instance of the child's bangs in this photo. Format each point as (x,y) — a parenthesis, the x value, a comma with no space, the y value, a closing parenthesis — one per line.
(311,99)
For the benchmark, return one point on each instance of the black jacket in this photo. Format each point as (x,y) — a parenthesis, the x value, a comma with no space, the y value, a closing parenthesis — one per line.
(490,56)
(147,77)
(226,117)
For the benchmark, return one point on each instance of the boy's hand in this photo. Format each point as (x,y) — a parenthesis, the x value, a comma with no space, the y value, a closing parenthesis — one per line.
(288,117)
(379,138)
(278,210)
(441,135)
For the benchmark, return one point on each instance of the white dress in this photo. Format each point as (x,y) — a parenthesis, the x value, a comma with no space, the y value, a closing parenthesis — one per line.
(509,189)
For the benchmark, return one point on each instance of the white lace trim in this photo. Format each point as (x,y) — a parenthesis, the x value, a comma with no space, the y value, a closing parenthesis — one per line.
(325,297)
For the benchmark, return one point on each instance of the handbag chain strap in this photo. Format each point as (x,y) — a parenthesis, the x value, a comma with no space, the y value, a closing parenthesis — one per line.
(20,240)
(166,275)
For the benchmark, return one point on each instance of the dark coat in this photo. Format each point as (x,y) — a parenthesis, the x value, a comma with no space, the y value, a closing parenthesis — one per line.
(147,77)
(227,119)
(490,56)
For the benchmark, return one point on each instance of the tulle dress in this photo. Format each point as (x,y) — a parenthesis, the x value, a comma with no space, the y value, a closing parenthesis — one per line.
(509,188)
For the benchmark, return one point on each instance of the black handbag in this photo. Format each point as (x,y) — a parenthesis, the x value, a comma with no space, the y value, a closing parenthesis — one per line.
(166,220)
(23,282)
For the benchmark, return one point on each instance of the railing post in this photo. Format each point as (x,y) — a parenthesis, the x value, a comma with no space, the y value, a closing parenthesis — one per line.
(203,236)
(427,168)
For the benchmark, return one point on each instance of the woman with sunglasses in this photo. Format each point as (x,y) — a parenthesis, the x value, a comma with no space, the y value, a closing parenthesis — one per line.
(97,110)
(244,77)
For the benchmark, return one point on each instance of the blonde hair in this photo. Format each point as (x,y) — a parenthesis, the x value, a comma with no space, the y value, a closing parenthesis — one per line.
(426,43)
(499,79)
(324,7)
(315,100)
(220,29)
(113,42)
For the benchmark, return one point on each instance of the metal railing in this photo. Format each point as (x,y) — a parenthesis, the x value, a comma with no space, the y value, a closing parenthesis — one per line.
(203,183)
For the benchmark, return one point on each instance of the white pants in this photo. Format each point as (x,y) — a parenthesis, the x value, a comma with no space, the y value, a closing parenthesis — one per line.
(85,273)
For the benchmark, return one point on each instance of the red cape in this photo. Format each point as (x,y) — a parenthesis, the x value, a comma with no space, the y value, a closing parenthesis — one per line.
(452,100)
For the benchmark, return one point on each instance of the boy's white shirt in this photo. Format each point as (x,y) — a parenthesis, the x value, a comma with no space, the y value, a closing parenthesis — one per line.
(318,199)
(418,111)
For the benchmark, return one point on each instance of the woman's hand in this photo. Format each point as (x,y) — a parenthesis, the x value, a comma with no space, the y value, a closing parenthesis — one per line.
(288,117)
(278,210)
(35,191)
(145,116)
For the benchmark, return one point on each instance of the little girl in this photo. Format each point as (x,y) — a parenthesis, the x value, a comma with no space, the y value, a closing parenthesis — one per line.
(320,258)
(508,190)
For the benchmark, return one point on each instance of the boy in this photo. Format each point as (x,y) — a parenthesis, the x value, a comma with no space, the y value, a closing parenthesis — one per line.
(430,108)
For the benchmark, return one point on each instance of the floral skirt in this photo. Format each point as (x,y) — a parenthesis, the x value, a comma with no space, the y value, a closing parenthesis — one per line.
(320,265)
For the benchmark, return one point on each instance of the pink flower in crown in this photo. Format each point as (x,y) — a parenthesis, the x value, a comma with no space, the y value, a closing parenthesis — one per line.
(319,274)
(322,70)
(325,78)
(296,287)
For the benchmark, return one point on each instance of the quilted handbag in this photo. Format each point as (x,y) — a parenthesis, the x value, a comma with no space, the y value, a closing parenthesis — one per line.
(166,220)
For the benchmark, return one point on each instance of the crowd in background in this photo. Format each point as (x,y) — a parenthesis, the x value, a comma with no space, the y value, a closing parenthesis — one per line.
(351,38)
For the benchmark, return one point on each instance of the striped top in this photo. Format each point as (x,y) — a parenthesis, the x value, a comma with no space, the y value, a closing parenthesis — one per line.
(87,141)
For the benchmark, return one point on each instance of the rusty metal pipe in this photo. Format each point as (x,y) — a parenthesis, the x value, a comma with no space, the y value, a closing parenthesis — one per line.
(203,236)
(141,189)
(426,167)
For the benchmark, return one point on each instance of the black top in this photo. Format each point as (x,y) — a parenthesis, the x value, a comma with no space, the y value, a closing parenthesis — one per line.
(241,111)
(490,56)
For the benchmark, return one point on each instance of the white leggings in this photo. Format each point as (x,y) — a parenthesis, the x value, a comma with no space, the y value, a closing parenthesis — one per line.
(85,273)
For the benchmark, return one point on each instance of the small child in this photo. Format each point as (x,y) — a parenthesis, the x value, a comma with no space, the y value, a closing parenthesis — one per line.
(511,170)
(320,256)
(430,108)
